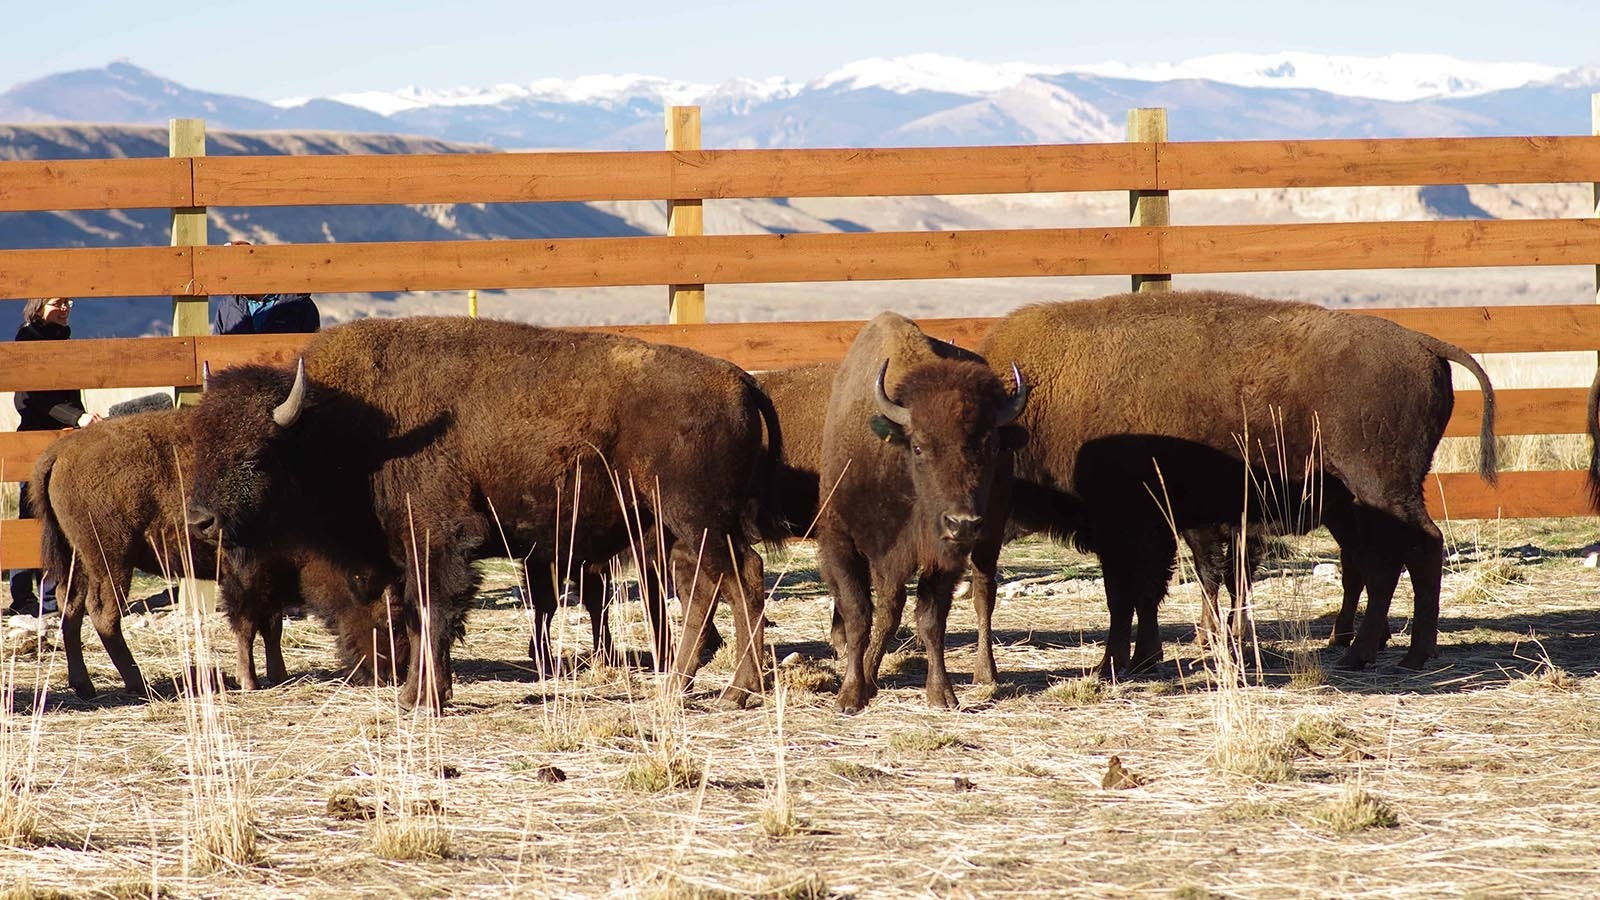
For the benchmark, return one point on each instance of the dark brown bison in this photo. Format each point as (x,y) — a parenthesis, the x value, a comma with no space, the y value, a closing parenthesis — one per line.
(430,442)
(915,450)
(800,395)
(109,502)
(1156,415)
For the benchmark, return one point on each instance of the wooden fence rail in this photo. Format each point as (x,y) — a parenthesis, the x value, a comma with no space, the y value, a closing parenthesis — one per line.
(687,176)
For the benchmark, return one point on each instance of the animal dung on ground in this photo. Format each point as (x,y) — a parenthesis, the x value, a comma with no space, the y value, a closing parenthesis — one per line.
(1118,778)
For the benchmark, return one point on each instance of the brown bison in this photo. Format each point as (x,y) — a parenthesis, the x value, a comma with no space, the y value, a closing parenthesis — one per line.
(1158,415)
(109,502)
(916,441)
(430,442)
(800,395)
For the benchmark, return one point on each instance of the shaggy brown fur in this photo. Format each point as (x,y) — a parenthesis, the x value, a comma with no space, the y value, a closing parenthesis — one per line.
(430,442)
(109,502)
(911,498)
(1146,412)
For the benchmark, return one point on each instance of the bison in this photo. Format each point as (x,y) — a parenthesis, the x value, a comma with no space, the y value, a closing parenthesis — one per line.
(921,474)
(108,499)
(430,442)
(1156,416)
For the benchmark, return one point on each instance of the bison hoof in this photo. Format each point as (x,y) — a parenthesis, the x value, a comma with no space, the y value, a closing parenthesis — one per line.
(1416,660)
(738,698)
(1340,640)
(854,699)
(85,690)
(944,698)
(1354,660)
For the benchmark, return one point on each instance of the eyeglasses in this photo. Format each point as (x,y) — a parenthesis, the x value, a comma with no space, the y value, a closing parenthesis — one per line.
(59,303)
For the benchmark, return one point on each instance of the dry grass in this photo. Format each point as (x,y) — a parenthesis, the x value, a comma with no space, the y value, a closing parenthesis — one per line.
(1477,773)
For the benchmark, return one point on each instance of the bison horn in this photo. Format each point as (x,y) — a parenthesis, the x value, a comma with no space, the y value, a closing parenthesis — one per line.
(288,412)
(205,375)
(891,410)
(1018,400)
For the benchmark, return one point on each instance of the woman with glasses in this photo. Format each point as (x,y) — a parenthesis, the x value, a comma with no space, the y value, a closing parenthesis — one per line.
(44,319)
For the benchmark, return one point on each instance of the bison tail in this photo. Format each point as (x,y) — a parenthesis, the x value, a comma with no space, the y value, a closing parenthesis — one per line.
(769,525)
(1592,425)
(1488,467)
(55,553)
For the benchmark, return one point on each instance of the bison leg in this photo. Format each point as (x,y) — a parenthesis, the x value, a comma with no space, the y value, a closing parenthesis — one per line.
(747,593)
(1210,569)
(105,609)
(244,639)
(887,612)
(934,591)
(594,590)
(985,563)
(72,609)
(653,595)
(271,629)
(1344,625)
(699,604)
(846,573)
(1379,567)
(1425,562)
(1150,586)
(1136,579)
(431,628)
(542,595)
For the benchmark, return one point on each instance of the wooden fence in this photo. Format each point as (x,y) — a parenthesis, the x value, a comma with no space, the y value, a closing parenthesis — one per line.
(1148,249)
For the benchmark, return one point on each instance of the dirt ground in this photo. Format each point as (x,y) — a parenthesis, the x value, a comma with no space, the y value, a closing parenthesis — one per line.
(1477,777)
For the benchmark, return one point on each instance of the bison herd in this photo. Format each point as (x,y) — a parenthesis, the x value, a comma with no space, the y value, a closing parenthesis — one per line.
(364,482)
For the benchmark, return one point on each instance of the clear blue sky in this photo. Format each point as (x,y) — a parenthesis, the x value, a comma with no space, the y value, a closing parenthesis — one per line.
(269,49)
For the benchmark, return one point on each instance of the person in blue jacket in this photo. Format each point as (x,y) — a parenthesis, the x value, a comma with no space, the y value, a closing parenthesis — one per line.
(266,313)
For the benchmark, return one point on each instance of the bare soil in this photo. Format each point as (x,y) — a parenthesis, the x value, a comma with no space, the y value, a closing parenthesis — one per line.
(1477,777)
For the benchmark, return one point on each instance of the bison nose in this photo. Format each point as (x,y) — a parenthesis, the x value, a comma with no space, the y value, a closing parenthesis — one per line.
(202,522)
(962,527)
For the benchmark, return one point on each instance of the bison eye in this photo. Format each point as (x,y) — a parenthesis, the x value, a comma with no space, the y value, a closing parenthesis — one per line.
(916,449)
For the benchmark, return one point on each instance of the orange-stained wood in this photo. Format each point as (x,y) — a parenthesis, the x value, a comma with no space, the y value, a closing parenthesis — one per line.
(87,363)
(26,186)
(661,175)
(18,450)
(716,174)
(772,258)
(1378,245)
(1504,329)
(1522,411)
(96,272)
(222,351)
(1330,163)
(19,544)
(1516,495)
(720,259)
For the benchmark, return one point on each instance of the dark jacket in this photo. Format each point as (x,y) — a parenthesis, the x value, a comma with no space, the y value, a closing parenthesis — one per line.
(46,410)
(266,314)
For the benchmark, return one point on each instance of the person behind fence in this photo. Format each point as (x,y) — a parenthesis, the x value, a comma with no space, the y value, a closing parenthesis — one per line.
(43,319)
(266,313)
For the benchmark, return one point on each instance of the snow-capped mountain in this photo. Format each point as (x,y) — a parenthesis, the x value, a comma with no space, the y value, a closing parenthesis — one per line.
(911,100)
(1398,77)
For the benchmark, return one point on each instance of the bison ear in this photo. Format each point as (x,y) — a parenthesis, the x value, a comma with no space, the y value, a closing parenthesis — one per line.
(887,431)
(1013,437)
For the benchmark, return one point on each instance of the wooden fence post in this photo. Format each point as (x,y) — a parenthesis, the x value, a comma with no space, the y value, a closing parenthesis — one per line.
(686,303)
(190,315)
(1149,208)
